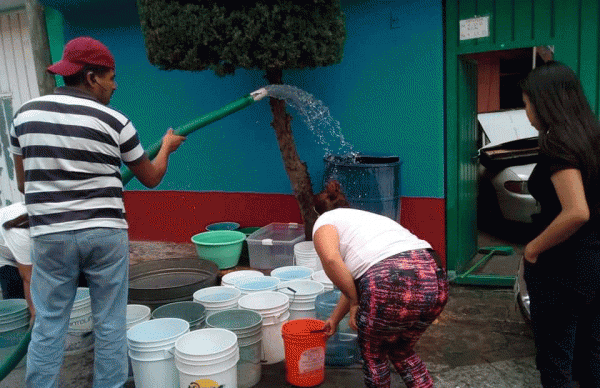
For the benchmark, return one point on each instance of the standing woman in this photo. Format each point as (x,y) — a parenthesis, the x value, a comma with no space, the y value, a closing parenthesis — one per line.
(562,264)
(391,282)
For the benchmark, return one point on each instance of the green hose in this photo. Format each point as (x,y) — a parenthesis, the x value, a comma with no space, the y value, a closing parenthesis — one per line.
(200,122)
(12,360)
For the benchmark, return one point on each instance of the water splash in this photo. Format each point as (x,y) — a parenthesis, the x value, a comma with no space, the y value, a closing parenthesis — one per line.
(317,118)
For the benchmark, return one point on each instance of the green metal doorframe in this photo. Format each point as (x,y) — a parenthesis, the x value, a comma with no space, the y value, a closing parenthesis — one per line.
(462,108)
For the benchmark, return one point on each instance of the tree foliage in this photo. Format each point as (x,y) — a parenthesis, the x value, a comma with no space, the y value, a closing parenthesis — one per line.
(267,35)
(225,35)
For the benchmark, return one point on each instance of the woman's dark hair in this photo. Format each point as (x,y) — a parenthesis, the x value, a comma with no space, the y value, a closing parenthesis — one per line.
(80,77)
(569,130)
(330,198)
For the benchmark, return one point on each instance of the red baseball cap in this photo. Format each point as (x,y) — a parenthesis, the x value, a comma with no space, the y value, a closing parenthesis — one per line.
(80,52)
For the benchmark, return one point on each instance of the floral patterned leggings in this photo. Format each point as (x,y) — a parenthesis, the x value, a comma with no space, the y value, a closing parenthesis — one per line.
(399,298)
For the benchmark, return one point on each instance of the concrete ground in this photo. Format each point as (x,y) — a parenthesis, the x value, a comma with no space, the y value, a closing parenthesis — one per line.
(480,340)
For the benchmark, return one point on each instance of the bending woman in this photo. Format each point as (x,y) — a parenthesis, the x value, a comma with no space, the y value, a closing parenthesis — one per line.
(562,264)
(391,281)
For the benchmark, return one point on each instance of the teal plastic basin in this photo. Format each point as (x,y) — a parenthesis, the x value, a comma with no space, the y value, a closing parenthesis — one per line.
(226,225)
(223,247)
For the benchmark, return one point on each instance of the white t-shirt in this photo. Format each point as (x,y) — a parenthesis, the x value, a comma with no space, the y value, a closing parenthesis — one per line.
(15,243)
(367,238)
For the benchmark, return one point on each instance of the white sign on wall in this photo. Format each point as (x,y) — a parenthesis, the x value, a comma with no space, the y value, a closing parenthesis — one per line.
(474,28)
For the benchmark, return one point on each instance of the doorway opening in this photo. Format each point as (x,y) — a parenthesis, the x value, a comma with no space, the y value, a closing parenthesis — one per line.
(504,205)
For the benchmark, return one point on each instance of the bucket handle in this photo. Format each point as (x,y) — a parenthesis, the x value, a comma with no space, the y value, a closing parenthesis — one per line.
(291,301)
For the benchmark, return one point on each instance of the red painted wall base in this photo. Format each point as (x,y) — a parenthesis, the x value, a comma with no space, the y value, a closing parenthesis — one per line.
(176,216)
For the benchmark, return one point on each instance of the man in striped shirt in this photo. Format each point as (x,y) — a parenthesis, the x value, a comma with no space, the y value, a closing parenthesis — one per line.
(68,148)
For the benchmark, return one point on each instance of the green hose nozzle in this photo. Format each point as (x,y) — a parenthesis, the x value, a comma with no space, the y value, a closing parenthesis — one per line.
(200,122)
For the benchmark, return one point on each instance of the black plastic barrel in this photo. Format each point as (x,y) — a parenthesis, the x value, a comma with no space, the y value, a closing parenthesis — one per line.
(370,183)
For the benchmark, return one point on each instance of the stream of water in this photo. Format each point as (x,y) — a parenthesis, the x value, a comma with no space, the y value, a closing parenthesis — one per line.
(317,118)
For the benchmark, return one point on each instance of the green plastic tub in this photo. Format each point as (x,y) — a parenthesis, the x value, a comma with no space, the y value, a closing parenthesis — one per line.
(223,247)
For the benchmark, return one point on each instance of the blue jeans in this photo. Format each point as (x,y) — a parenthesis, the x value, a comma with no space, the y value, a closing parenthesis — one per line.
(102,254)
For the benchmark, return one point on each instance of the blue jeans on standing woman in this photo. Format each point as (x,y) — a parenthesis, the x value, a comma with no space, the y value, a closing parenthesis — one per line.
(102,254)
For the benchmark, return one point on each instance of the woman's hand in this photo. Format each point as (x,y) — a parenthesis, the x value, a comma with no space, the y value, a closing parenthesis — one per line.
(529,256)
(352,317)
(329,327)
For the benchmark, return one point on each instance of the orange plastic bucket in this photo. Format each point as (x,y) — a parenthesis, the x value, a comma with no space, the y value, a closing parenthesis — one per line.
(304,352)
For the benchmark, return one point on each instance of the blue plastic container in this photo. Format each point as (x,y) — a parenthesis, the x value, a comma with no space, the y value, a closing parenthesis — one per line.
(370,183)
(342,347)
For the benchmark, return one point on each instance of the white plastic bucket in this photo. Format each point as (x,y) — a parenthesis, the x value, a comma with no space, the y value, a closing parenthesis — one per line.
(292,272)
(230,278)
(249,366)
(269,304)
(321,277)
(272,343)
(208,356)
(247,325)
(305,255)
(154,372)
(217,298)
(273,307)
(137,313)
(81,319)
(249,285)
(302,294)
(157,332)
(221,374)
(151,350)
(79,342)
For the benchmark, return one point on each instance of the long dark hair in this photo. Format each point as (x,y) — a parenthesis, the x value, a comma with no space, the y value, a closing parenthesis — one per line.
(569,130)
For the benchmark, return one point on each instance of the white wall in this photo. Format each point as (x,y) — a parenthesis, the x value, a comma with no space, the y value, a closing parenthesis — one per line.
(18,84)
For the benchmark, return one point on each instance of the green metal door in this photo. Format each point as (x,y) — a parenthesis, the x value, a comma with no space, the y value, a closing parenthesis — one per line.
(466,159)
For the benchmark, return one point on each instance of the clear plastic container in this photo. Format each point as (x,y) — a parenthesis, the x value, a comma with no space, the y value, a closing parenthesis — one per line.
(272,246)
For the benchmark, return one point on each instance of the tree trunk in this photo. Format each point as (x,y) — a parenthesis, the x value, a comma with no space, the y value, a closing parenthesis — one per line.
(295,168)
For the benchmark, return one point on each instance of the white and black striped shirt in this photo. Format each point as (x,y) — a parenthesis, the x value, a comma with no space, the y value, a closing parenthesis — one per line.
(72,148)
